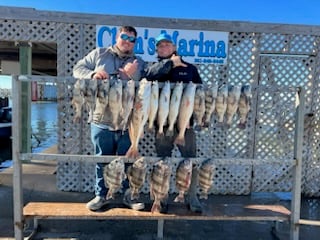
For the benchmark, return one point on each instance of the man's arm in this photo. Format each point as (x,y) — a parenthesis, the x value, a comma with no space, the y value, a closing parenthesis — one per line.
(158,69)
(85,67)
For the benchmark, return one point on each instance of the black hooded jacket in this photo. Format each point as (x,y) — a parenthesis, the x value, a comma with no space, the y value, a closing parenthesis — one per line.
(164,70)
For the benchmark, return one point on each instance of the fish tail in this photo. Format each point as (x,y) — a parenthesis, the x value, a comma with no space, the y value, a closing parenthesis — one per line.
(203,195)
(180,140)
(179,198)
(133,152)
(242,125)
(156,207)
(169,133)
(109,195)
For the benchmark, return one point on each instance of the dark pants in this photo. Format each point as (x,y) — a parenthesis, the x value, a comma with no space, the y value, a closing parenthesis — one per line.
(164,146)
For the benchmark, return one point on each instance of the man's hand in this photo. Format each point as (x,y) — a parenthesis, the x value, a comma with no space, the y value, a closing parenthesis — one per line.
(101,74)
(130,68)
(177,61)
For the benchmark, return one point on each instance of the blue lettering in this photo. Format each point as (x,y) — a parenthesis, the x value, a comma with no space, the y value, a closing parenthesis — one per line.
(192,43)
(138,47)
(183,48)
(175,35)
(151,46)
(221,50)
(146,33)
(112,32)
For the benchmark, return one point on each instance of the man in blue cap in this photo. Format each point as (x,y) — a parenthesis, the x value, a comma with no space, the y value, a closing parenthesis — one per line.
(172,67)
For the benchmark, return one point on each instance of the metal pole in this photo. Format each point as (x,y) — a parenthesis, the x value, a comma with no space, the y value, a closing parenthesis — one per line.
(16,150)
(160,229)
(296,188)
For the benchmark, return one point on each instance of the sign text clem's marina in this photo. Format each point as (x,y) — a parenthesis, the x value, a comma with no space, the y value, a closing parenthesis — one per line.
(199,47)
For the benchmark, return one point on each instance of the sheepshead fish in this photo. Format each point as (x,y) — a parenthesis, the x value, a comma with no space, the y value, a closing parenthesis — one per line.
(199,107)
(139,117)
(136,174)
(175,100)
(115,101)
(244,105)
(90,96)
(159,184)
(154,104)
(78,99)
(232,103)
(113,176)
(185,112)
(211,96)
(221,102)
(102,97)
(206,174)
(128,93)
(183,178)
(163,111)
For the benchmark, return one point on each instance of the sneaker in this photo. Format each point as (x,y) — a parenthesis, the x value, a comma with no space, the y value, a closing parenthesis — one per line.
(97,203)
(133,204)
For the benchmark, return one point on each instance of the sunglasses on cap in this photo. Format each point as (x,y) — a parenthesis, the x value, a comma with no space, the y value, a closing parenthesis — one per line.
(125,37)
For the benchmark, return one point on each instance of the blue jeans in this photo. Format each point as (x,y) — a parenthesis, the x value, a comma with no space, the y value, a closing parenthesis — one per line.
(107,142)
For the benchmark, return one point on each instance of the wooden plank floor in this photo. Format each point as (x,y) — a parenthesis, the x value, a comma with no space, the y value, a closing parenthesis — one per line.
(236,212)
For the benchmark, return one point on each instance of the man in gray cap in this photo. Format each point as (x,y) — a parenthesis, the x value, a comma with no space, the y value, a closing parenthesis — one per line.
(172,67)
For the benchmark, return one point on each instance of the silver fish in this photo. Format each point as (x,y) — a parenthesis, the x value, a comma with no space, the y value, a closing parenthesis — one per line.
(154,104)
(199,107)
(232,103)
(185,112)
(206,174)
(128,94)
(159,184)
(221,102)
(211,96)
(115,101)
(174,106)
(183,178)
(113,176)
(163,111)
(139,117)
(136,174)
(102,98)
(90,96)
(78,99)
(244,105)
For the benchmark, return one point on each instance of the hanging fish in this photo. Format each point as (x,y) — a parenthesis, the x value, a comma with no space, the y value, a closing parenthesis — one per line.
(115,101)
(221,102)
(128,94)
(199,107)
(154,104)
(211,96)
(175,100)
(244,105)
(163,111)
(102,98)
(139,117)
(185,112)
(78,99)
(206,175)
(113,176)
(183,178)
(159,184)
(232,103)
(90,96)
(136,174)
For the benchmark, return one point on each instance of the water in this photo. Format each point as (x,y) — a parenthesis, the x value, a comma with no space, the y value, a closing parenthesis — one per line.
(44,128)
(44,125)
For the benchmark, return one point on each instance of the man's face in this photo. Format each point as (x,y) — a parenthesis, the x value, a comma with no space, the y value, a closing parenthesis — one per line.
(165,49)
(125,41)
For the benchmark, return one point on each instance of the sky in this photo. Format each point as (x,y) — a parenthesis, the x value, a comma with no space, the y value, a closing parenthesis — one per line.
(305,12)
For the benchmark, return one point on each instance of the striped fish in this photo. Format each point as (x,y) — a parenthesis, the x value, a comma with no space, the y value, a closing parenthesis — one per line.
(136,174)
(206,174)
(183,178)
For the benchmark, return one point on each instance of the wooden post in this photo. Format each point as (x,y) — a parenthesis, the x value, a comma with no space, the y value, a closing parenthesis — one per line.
(25,60)
(296,188)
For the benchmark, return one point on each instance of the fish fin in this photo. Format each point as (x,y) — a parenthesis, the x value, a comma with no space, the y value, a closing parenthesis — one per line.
(179,198)
(160,135)
(132,152)
(242,125)
(109,195)
(203,195)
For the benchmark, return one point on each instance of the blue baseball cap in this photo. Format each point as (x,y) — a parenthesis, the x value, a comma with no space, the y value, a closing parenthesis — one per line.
(163,37)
